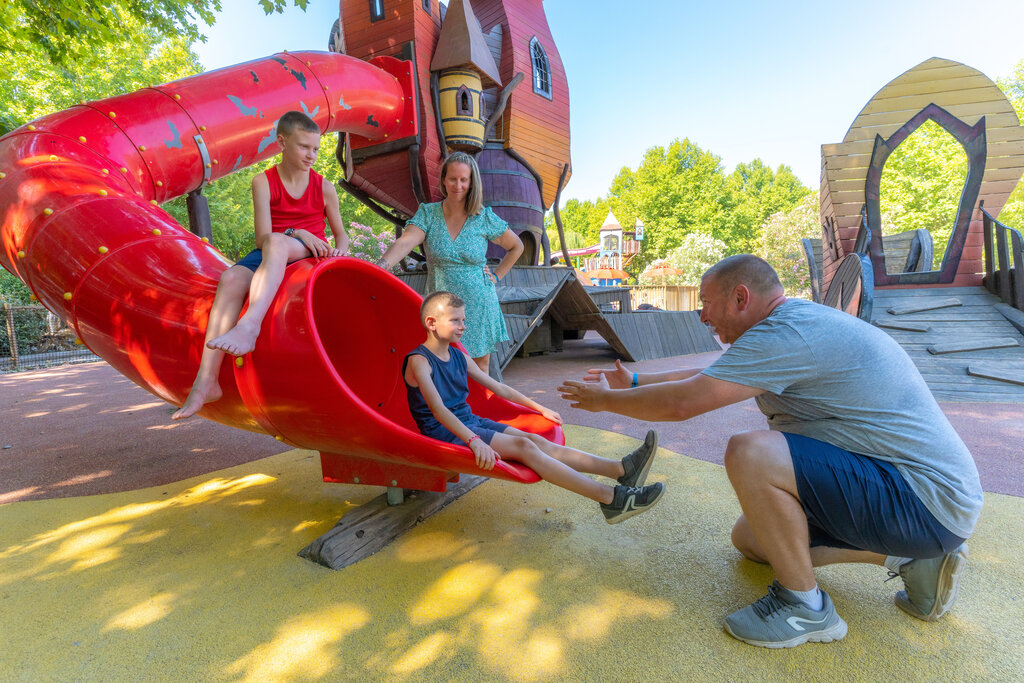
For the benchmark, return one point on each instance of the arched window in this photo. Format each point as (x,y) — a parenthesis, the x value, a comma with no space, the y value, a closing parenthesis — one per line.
(541,69)
(464,102)
(376,10)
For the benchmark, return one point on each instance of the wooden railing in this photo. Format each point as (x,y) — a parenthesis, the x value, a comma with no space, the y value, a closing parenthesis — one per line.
(665,297)
(1004,258)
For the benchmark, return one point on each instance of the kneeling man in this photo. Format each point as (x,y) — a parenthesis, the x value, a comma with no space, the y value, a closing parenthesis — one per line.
(858,463)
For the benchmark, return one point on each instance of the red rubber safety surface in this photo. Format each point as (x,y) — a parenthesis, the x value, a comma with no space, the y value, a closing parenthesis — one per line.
(82,430)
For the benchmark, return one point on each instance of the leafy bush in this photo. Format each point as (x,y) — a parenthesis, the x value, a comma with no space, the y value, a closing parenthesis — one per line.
(698,252)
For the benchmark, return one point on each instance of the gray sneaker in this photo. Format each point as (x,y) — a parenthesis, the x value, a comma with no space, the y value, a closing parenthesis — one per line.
(629,501)
(780,619)
(638,463)
(931,585)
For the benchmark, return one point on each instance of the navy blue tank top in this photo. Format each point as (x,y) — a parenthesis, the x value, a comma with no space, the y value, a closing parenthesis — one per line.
(452,383)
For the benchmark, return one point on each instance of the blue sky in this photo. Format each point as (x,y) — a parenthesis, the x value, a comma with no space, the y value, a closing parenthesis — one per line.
(743,79)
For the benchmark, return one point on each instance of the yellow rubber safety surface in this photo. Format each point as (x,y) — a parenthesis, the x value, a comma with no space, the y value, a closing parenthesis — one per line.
(199,580)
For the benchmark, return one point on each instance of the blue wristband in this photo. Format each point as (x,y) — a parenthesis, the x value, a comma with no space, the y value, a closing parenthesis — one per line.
(635,383)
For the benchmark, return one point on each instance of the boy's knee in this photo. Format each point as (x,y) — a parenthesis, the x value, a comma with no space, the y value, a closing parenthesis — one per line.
(275,241)
(524,446)
(235,278)
(536,439)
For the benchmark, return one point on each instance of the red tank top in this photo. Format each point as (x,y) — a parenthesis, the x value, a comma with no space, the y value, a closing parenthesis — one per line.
(305,213)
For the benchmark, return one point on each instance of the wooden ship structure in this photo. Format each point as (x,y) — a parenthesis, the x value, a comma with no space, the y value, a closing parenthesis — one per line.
(962,321)
(489,81)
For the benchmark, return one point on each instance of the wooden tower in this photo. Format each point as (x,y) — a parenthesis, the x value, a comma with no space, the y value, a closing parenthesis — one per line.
(969,106)
(524,137)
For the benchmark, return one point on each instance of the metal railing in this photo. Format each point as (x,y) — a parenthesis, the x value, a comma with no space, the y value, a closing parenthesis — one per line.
(32,337)
(1004,257)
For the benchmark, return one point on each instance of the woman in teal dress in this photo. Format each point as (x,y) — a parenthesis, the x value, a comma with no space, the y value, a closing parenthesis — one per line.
(456,231)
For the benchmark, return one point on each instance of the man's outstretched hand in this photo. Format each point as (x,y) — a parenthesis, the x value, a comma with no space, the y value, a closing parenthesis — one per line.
(588,395)
(617,377)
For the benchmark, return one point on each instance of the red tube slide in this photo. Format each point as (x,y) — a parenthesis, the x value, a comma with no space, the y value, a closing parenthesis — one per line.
(81,226)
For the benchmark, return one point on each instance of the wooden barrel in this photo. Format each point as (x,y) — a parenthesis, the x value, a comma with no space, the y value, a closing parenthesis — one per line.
(511,191)
(459,95)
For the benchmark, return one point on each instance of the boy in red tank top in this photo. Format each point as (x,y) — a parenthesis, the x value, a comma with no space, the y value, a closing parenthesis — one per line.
(290,203)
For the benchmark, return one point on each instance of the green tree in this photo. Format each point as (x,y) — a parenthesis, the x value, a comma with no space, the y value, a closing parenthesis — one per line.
(573,240)
(922,182)
(70,31)
(1012,213)
(676,190)
(696,252)
(755,193)
(32,86)
(582,217)
(779,244)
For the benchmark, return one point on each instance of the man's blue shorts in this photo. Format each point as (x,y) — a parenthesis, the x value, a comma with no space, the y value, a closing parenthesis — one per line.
(480,426)
(254,258)
(861,503)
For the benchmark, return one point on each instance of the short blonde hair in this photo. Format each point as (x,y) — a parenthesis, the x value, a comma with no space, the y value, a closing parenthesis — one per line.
(435,301)
(475,196)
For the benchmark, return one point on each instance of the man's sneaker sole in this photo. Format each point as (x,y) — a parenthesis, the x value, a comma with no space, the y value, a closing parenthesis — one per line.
(633,511)
(836,631)
(947,591)
(640,476)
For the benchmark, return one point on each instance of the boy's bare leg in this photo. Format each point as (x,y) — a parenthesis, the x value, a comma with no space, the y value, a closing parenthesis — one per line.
(278,251)
(231,291)
(581,461)
(524,450)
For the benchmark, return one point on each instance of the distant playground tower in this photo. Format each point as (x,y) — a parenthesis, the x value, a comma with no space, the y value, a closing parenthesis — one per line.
(466,62)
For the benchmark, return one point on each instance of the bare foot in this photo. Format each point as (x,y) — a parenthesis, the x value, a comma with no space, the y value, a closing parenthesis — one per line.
(238,341)
(198,397)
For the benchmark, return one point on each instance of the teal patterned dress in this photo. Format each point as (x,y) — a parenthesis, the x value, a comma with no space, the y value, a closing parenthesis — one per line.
(459,267)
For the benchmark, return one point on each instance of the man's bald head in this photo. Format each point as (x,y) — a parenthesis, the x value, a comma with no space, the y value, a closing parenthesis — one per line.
(745,269)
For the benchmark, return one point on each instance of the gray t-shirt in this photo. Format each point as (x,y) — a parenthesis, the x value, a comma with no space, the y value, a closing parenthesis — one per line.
(832,377)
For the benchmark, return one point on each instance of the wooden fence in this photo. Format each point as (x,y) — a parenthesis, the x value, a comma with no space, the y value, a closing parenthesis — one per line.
(665,297)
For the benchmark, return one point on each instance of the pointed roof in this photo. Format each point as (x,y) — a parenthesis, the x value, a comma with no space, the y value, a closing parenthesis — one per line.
(462,43)
(611,223)
(639,223)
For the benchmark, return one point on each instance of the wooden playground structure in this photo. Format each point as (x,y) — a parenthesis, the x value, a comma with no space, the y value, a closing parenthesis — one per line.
(962,322)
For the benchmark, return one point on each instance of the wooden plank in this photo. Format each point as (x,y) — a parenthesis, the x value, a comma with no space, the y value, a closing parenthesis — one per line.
(996,373)
(972,345)
(940,85)
(942,99)
(942,69)
(368,528)
(908,326)
(903,309)
(968,112)
(998,127)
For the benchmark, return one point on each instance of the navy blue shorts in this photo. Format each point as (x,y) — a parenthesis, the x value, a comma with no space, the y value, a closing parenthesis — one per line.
(254,258)
(861,503)
(480,426)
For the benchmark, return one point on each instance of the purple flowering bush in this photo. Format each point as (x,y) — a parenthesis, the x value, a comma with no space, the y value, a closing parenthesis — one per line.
(365,244)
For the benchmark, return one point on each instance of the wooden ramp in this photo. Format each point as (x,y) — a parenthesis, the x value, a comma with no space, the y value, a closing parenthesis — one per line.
(964,347)
(550,303)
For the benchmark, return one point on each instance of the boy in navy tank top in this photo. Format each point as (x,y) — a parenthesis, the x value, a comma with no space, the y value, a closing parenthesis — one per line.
(290,203)
(436,378)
